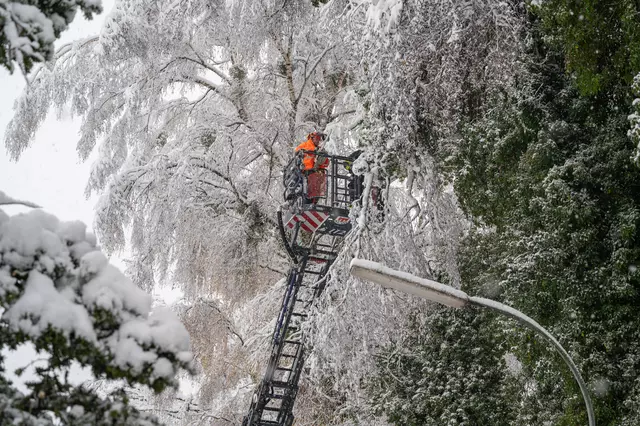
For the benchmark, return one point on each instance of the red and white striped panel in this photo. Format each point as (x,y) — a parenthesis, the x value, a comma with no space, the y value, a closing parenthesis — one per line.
(309,220)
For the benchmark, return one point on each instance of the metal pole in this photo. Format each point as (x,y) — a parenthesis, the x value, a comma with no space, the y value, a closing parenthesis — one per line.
(529,322)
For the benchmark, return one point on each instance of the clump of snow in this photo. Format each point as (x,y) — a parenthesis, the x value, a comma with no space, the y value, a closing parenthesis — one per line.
(108,288)
(601,387)
(73,232)
(30,233)
(384,15)
(164,331)
(76,410)
(92,263)
(7,283)
(42,306)
(59,279)
(167,331)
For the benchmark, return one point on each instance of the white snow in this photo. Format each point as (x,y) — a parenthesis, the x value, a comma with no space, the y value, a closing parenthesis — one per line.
(41,306)
(380,11)
(26,234)
(110,289)
(32,245)
(163,330)
(162,368)
(76,410)
(21,20)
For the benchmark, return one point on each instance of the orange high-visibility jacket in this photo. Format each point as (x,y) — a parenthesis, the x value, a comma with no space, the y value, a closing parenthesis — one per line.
(309,159)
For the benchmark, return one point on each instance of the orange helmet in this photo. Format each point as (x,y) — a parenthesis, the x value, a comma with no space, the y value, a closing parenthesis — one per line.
(316,137)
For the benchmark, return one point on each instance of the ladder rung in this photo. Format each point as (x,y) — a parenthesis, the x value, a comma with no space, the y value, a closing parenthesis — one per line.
(272,408)
(332,253)
(279,384)
(284,369)
(292,342)
(275,396)
(298,314)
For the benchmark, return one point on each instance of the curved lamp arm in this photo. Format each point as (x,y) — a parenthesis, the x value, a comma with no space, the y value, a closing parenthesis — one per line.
(452,297)
(529,322)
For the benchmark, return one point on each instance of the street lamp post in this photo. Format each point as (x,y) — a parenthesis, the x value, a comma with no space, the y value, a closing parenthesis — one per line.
(449,296)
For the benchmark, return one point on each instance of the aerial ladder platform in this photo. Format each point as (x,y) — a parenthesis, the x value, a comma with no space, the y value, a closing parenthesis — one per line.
(313,223)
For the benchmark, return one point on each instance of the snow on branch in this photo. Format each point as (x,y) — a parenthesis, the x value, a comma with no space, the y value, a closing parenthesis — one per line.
(28,31)
(6,200)
(58,291)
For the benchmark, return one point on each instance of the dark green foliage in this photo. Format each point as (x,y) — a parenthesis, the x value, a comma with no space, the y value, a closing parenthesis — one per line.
(74,406)
(57,295)
(544,171)
(449,370)
(551,171)
(601,39)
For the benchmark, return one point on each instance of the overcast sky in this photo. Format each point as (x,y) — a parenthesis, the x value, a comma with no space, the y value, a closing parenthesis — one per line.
(49,173)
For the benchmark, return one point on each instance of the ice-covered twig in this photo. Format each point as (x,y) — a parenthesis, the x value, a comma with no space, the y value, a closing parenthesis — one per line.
(415,204)
(6,200)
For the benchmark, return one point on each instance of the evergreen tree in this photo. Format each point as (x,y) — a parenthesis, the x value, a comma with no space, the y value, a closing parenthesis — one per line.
(58,293)
(30,27)
(546,174)
(600,40)
(448,370)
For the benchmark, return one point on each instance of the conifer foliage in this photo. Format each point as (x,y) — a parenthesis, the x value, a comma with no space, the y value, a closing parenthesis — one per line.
(58,292)
(29,28)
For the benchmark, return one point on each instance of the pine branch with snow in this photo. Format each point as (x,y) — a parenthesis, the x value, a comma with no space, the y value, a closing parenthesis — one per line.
(29,30)
(58,292)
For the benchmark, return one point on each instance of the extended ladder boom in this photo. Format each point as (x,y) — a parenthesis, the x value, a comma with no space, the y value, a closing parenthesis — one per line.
(318,205)
(272,404)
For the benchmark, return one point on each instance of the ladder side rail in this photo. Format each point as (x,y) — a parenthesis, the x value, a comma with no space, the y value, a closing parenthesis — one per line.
(283,234)
(285,303)
(288,309)
(288,401)
(260,398)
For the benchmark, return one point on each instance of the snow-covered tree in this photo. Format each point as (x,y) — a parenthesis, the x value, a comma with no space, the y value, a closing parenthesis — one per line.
(547,176)
(59,293)
(634,120)
(498,174)
(29,28)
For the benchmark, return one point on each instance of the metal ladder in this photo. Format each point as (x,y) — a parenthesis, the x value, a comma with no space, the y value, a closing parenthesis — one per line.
(272,403)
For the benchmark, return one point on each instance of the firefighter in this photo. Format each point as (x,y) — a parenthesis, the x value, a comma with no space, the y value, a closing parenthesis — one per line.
(309,160)
(313,167)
